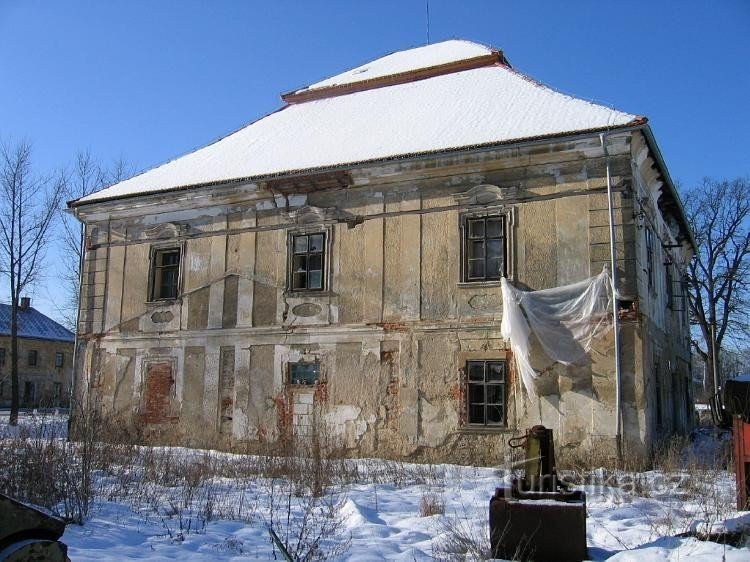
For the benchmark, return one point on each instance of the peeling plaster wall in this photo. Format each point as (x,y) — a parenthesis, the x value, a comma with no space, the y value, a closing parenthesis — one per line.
(395,326)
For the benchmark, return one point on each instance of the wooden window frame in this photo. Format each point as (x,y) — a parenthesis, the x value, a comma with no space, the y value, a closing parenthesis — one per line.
(59,359)
(466,237)
(155,269)
(485,384)
(324,255)
(649,256)
(32,358)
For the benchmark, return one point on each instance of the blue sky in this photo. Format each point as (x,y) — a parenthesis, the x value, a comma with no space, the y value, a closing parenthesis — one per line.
(148,80)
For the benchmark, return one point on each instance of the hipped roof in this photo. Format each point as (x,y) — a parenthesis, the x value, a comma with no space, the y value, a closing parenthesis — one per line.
(437,98)
(33,324)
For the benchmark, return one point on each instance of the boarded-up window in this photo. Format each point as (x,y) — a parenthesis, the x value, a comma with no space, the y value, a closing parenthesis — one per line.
(158,390)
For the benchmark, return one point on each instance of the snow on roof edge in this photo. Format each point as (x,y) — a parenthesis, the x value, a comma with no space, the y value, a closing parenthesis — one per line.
(75,202)
(639,122)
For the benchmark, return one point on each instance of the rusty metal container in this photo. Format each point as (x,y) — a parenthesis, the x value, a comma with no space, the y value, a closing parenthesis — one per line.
(538,525)
(537,517)
(737,402)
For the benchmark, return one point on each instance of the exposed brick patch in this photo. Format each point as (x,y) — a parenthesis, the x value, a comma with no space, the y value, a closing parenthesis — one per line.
(391,326)
(284,413)
(226,389)
(159,381)
(392,386)
(321,391)
(458,393)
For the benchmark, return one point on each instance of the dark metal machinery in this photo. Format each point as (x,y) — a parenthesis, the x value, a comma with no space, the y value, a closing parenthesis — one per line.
(29,534)
(537,517)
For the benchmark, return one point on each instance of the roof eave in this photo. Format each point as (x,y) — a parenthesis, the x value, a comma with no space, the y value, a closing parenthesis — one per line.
(635,124)
(659,158)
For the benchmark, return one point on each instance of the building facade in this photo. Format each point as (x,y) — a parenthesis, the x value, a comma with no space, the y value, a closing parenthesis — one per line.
(45,359)
(339,263)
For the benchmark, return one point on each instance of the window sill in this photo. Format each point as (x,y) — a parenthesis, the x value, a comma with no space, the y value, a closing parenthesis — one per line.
(475,284)
(164,302)
(298,294)
(485,429)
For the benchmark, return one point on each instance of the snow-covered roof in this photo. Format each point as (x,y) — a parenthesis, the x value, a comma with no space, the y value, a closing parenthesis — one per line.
(435,111)
(34,324)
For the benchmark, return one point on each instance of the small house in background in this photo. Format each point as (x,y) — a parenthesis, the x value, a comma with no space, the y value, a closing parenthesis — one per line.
(340,261)
(45,359)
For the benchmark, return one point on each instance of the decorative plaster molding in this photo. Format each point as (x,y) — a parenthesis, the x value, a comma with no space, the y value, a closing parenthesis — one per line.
(484,194)
(307,214)
(167,230)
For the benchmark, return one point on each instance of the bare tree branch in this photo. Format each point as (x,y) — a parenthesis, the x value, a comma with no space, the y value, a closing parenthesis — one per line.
(28,208)
(719,275)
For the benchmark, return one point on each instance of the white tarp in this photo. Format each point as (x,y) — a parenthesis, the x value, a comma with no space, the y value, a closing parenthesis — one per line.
(565,320)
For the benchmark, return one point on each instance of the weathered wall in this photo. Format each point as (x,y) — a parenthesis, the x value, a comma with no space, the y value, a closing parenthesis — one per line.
(395,326)
(44,375)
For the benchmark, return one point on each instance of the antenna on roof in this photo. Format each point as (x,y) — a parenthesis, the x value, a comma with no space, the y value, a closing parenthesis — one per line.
(427,5)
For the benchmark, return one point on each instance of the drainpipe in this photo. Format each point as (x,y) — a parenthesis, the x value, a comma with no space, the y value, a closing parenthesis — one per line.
(615,316)
(81,261)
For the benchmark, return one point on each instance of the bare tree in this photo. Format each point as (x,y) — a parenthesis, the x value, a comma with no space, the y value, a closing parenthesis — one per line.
(86,177)
(719,275)
(28,207)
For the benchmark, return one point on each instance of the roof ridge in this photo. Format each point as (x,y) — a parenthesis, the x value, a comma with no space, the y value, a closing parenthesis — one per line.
(495,57)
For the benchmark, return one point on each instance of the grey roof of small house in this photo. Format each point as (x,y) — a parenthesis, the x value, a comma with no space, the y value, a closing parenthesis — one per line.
(34,324)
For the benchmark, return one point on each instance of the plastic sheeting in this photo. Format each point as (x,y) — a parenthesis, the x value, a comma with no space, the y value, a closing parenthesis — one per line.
(565,320)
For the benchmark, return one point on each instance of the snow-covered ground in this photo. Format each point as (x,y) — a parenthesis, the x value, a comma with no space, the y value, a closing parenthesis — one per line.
(378,514)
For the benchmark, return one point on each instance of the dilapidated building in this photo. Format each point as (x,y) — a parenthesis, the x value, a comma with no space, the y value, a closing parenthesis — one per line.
(45,359)
(339,262)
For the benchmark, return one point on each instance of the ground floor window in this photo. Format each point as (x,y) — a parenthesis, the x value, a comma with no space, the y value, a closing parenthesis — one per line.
(486,392)
(29,392)
(304,373)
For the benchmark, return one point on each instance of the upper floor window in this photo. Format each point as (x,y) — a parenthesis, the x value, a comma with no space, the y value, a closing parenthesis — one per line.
(165,274)
(483,248)
(2,356)
(59,359)
(486,392)
(307,262)
(670,285)
(32,357)
(650,256)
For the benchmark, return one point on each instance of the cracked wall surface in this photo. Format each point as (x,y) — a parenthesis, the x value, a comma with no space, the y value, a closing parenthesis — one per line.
(396,323)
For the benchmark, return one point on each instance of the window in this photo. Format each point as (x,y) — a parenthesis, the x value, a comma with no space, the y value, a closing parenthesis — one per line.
(670,286)
(304,373)
(307,262)
(483,248)
(57,393)
(32,357)
(650,256)
(29,392)
(2,389)
(165,274)
(2,356)
(486,392)
(59,359)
